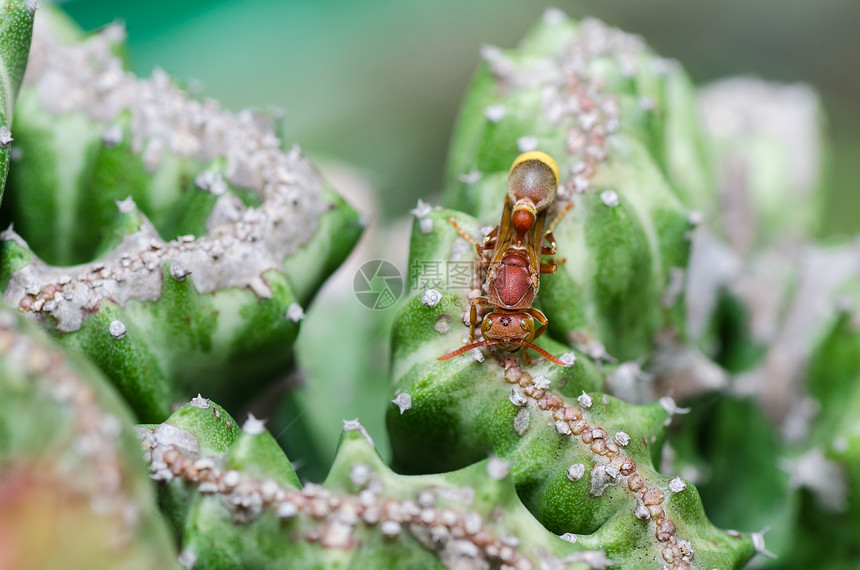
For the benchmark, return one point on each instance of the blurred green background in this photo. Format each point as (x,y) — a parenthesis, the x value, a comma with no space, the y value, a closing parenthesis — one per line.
(377,83)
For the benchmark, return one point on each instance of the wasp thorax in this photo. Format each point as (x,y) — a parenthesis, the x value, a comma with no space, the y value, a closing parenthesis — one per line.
(533,177)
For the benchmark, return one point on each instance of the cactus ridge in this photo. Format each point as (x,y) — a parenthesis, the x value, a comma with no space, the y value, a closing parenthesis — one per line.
(456,517)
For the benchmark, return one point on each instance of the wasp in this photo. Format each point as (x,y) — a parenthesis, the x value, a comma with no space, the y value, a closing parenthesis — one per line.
(513,267)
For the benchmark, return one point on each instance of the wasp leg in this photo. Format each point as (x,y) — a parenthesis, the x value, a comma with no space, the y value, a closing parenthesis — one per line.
(473,314)
(548,236)
(465,235)
(549,267)
(526,358)
(564,210)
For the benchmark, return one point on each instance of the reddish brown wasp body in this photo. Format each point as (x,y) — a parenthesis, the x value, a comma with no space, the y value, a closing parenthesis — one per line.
(512,271)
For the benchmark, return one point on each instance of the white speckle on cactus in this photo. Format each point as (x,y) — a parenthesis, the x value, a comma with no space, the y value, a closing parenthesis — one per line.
(403,401)
(527,143)
(187,558)
(677,485)
(585,400)
(495,113)
(517,398)
(641,512)
(286,510)
(112,136)
(758,543)
(430,297)
(231,479)
(647,104)
(824,478)
(390,528)
(421,210)
(470,177)
(166,435)
(426,225)
(580,183)
(612,125)
(568,358)
(521,421)
(554,16)
(179,271)
(609,197)
(5,136)
(696,218)
(360,475)
(668,404)
(153,154)
(562,427)
(218,185)
(621,438)
(473,523)
(602,476)
(576,471)
(355,425)
(675,287)
(204,179)
(126,206)
(477,355)
(569,537)
(840,444)
(426,499)
(254,426)
(442,325)
(541,382)
(295,312)
(200,402)
(117,329)
(498,468)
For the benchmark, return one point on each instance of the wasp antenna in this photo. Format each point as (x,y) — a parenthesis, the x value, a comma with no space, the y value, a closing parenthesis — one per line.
(468,347)
(542,352)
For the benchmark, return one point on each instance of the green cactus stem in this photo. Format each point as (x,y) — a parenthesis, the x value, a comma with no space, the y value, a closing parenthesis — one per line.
(16,29)
(73,488)
(244,506)
(208,238)
(621,123)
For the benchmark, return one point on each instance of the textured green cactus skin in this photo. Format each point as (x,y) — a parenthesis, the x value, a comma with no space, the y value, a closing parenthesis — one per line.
(182,333)
(73,488)
(16,27)
(619,264)
(322,534)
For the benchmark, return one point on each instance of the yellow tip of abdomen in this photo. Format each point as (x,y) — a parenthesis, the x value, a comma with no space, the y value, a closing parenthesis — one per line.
(541,157)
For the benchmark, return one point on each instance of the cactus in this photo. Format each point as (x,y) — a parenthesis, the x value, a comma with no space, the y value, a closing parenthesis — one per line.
(242,505)
(205,241)
(709,343)
(73,487)
(16,29)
